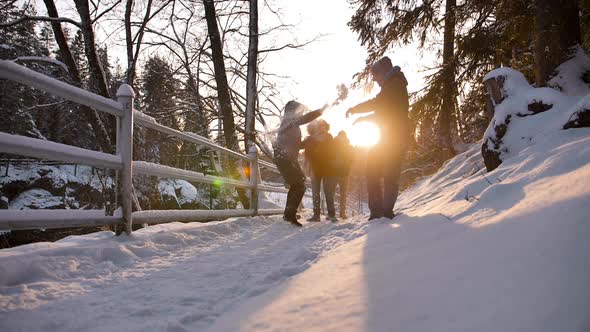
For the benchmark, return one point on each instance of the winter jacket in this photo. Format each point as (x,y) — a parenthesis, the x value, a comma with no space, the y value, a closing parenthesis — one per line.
(391,108)
(320,153)
(288,142)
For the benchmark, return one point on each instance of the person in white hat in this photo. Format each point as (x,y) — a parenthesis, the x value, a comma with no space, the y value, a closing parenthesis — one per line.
(286,150)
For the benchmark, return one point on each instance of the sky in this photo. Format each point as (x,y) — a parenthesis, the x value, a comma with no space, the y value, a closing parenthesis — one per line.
(314,71)
(332,59)
(335,57)
(318,67)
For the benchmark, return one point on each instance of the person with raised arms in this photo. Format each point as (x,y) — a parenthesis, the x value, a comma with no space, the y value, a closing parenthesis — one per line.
(384,159)
(286,152)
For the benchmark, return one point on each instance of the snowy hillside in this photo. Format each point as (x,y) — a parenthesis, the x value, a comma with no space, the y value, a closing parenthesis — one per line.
(472,251)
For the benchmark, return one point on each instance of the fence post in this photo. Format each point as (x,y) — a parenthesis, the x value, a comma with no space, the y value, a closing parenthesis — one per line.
(125,97)
(253,156)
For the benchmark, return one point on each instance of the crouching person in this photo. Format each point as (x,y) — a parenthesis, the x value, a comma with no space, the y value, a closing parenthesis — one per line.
(286,151)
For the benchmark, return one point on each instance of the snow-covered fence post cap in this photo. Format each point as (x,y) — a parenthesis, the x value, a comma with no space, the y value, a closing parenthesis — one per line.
(125,90)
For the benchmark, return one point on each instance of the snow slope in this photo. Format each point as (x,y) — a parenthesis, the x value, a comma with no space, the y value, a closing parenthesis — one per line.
(471,251)
(466,255)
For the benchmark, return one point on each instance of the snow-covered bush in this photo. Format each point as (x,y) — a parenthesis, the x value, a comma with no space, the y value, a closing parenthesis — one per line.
(521,111)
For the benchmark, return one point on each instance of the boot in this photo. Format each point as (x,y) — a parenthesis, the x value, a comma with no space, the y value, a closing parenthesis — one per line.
(293,221)
(315,218)
(290,216)
(390,215)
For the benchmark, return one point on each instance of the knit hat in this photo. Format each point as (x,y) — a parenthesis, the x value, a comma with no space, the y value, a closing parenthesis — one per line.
(295,107)
(383,66)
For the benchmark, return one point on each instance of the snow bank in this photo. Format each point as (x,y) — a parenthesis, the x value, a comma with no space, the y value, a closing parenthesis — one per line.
(472,251)
(177,277)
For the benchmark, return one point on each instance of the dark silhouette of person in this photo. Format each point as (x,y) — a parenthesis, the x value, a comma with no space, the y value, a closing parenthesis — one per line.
(320,154)
(384,160)
(343,161)
(286,150)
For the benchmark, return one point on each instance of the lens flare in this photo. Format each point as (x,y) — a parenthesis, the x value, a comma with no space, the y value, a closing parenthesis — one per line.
(364,134)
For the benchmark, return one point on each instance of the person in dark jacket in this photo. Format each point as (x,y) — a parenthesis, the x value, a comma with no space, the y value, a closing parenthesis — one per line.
(319,153)
(343,161)
(286,150)
(384,159)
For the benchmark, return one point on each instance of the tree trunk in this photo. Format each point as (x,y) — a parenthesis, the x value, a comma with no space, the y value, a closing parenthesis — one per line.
(557,29)
(449,88)
(251,89)
(95,68)
(89,114)
(229,131)
(62,43)
(129,43)
(97,76)
(132,55)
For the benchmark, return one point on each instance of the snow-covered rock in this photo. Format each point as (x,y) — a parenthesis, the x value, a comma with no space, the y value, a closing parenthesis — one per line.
(35,185)
(521,111)
(573,76)
(37,199)
(177,194)
(581,117)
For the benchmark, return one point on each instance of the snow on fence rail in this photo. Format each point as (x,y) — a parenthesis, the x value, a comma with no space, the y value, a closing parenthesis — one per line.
(121,161)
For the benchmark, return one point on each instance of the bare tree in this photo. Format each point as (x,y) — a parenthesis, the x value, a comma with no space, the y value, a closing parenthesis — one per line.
(134,41)
(231,139)
(96,71)
(251,90)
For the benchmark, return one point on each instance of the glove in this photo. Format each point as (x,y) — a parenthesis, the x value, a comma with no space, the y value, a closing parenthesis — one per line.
(363,119)
(349,112)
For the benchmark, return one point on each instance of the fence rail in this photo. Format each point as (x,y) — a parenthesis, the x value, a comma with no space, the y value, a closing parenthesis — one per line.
(121,161)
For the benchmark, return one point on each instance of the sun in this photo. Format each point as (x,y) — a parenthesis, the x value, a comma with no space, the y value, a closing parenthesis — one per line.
(364,133)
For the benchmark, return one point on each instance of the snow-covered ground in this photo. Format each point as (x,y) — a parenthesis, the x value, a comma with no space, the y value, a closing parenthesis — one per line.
(471,251)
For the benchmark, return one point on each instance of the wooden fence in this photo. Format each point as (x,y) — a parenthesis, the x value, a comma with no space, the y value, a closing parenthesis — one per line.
(121,161)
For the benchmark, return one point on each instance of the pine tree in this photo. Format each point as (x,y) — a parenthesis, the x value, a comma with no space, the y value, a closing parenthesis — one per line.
(16,100)
(557,30)
(158,99)
(382,25)
(77,48)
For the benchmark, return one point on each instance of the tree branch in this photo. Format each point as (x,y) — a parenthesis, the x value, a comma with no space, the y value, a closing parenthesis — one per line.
(40,18)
